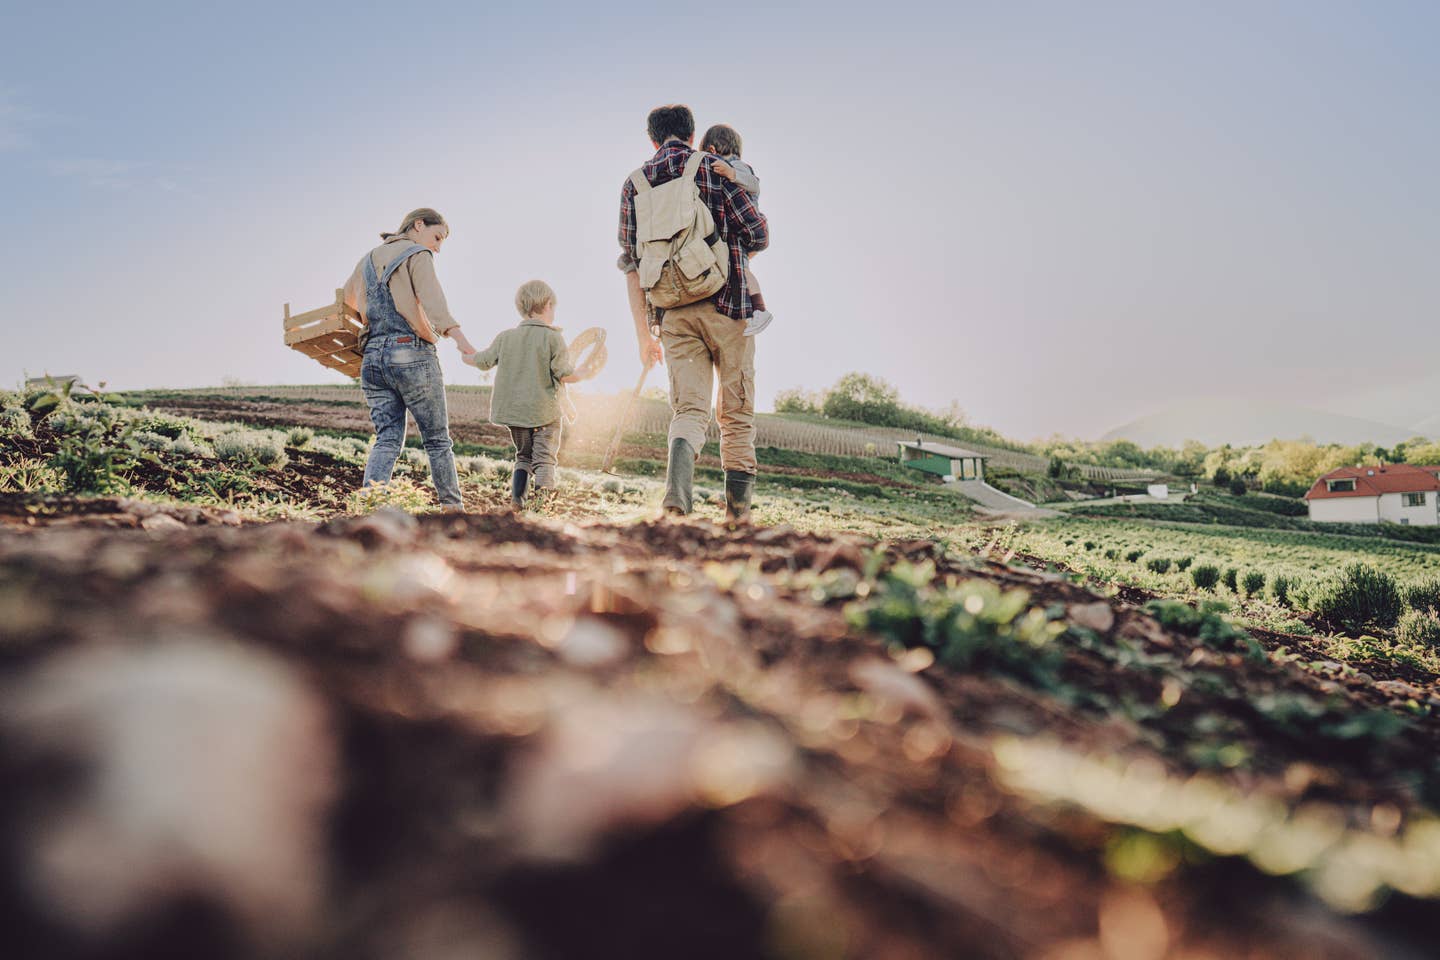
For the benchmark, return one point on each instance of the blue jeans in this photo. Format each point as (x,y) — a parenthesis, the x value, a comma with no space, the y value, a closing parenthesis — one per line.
(398,376)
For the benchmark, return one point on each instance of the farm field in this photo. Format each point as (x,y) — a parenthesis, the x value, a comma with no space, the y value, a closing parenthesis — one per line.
(872,725)
(470,408)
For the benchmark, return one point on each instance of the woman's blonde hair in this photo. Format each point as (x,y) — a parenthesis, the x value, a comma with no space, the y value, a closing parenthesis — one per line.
(532,296)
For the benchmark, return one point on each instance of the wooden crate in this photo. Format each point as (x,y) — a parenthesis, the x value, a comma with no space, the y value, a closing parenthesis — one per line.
(330,334)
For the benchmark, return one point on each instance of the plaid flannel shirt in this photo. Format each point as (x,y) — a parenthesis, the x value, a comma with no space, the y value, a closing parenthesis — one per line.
(742,226)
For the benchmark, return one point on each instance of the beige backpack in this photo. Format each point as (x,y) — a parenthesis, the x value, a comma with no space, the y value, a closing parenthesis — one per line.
(682,258)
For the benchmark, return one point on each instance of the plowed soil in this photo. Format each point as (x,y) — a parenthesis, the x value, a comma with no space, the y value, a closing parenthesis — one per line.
(491,736)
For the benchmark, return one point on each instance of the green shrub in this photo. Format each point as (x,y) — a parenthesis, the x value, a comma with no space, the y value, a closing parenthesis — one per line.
(1183,563)
(1279,588)
(1359,596)
(1205,576)
(171,428)
(1301,591)
(186,446)
(1134,555)
(1424,595)
(1419,627)
(1252,582)
(1089,545)
(1237,487)
(300,436)
(1158,564)
(1112,554)
(251,446)
(1231,578)
(14,422)
(148,440)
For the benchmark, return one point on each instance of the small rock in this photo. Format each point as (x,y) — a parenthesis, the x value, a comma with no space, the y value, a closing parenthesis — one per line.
(1400,689)
(161,522)
(1099,616)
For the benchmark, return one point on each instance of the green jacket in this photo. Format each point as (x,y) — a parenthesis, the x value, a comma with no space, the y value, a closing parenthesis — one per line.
(532,359)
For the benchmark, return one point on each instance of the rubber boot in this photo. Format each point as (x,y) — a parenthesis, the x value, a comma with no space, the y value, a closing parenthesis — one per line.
(738,487)
(680,479)
(518,482)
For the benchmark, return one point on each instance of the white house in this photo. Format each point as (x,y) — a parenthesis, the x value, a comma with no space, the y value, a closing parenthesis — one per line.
(1386,493)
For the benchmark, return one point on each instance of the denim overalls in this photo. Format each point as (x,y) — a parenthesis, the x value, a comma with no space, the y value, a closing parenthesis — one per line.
(402,372)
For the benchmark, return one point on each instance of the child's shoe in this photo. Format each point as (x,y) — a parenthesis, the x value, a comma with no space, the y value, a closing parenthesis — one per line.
(758,321)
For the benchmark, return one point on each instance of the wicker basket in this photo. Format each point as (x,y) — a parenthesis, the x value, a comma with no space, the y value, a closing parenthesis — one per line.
(331,335)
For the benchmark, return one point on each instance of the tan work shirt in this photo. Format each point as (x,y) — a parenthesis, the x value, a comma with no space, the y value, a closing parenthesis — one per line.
(414,287)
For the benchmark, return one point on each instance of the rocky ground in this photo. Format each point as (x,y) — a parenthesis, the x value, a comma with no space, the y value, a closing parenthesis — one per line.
(492,736)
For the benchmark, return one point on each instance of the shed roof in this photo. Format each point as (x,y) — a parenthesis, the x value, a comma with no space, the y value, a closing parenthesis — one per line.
(1377,480)
(941,450)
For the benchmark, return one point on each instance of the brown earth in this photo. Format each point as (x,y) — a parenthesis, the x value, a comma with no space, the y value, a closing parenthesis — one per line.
(491,736)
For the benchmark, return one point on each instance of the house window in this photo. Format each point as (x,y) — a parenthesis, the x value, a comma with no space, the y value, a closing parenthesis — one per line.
(1414,499)
(1341,486)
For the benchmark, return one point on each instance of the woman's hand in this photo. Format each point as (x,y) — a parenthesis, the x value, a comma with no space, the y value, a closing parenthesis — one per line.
(462,342)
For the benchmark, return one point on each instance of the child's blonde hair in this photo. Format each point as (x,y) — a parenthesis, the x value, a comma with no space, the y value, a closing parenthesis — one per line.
(532,296)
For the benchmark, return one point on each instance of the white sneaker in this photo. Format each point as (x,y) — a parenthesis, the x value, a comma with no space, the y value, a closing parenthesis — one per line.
(758,322)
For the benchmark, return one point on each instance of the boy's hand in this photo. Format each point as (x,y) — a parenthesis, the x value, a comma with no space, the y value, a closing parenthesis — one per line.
(468,357)
(725,170)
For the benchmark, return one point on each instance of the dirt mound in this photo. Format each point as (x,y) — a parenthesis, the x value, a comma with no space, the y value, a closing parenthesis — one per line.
(488,736)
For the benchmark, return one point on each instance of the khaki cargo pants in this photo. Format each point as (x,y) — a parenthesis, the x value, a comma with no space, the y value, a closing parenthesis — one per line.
(700,341)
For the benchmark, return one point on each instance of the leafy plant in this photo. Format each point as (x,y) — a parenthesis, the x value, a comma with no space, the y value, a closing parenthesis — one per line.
(1231,578)
(1158,564)
(971,624)
(300,436)
(1359,596)
(1207,622)
(399,492)
(1419,627)
(251,446)
(1424,595)
(1205,576)
(1252,582)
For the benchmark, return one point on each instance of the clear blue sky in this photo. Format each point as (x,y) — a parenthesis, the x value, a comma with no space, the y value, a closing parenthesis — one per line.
(1061,215)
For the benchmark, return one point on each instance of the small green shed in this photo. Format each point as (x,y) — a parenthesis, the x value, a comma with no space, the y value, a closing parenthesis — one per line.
(942,460)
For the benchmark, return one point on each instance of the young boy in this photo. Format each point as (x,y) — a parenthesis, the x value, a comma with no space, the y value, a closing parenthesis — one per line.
(533,363)
(724,142)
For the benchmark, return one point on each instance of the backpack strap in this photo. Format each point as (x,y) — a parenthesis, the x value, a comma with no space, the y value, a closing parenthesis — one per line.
(638,178)
(692,165)
(405,254)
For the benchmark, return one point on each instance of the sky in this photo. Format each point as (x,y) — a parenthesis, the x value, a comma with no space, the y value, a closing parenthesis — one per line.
(1061,216)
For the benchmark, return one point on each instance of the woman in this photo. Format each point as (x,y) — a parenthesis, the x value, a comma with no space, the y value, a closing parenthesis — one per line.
(398,297)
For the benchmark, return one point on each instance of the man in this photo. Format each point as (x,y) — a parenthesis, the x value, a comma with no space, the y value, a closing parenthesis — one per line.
(703,340)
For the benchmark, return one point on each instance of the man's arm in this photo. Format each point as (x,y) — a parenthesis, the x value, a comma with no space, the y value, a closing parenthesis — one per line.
(650,351)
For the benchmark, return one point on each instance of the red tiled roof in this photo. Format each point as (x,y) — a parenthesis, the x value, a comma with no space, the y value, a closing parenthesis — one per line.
(1373,481)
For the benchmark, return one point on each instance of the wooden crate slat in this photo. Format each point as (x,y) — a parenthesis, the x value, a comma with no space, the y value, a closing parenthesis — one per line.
(330,335)
(328,325)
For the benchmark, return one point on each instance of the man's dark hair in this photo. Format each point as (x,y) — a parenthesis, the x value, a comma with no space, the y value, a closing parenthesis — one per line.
(721,139)
(673,120)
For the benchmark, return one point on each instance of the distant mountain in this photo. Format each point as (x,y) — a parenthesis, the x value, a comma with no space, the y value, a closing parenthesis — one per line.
(1244,424)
